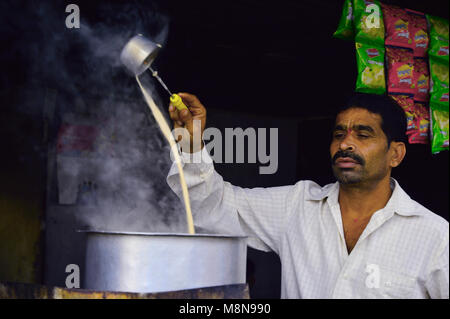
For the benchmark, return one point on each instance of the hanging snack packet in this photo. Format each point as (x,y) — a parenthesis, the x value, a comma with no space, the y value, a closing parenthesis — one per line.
(406,102)
(439,41)
(345,27)
(438,27)
(422,123)
(419,34)
(370,61)
(439,127)
(421,78)
(368,22)
(397,24)
(439,80)
(400,70)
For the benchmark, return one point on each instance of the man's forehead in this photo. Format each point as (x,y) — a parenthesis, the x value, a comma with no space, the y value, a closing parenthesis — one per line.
(358,116)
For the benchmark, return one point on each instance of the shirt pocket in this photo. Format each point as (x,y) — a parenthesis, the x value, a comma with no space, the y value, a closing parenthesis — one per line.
(393,285)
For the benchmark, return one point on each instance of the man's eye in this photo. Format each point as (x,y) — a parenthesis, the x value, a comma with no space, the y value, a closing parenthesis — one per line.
(338,135)
(363,135)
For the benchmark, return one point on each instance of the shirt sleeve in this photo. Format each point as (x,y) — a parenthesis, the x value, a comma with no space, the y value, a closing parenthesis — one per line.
(437,283)
(219,207)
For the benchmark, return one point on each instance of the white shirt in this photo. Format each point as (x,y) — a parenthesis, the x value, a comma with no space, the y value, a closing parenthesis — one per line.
(402,253)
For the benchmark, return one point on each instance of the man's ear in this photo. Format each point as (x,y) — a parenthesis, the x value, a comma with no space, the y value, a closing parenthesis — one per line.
(398,152)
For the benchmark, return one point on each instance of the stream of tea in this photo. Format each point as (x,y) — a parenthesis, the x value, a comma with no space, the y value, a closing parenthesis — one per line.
(165,129)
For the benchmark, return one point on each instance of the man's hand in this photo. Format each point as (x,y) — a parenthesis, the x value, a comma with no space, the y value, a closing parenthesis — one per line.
(185,118)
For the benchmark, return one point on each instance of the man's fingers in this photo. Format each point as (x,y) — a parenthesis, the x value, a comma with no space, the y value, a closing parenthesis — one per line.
(179,118)
(173,113)
(191,101)
(184,115)
(186,118)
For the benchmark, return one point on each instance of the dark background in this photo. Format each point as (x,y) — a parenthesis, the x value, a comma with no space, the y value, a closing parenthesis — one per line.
(252,64)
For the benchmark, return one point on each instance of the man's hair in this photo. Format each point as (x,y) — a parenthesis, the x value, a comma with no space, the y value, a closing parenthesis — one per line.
(393,118)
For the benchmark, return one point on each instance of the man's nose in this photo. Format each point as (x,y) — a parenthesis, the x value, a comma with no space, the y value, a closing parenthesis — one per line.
(347,143)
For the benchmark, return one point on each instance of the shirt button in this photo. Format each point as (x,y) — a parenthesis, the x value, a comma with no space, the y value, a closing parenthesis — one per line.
(388,284)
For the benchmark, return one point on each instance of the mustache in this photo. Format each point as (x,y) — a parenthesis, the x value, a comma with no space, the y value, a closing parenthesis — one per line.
(351,155)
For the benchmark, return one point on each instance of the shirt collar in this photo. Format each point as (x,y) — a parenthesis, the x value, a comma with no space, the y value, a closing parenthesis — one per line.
(400,202)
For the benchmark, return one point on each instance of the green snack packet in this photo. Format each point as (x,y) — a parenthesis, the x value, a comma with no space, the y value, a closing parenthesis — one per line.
(439,92)
(439,41)
(439,127)
(438,27)
(368,22)
(370,60)
(345,28)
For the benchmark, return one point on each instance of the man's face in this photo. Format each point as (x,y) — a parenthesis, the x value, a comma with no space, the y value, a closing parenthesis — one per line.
(359,151)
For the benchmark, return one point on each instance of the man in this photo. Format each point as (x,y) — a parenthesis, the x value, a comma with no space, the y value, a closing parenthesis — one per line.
(361,237)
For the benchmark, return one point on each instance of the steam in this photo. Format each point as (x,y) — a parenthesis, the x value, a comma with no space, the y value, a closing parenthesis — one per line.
(130,173)
(125,173)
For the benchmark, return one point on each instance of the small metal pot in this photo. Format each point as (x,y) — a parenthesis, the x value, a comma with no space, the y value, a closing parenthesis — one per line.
(139,53)
(157,262)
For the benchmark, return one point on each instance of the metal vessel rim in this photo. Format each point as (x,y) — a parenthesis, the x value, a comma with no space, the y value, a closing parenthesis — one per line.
(107,232)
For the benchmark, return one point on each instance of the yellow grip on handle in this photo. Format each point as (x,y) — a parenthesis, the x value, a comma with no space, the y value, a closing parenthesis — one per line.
(176,101)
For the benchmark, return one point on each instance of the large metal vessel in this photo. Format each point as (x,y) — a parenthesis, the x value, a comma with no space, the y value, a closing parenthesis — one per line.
(157,262)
